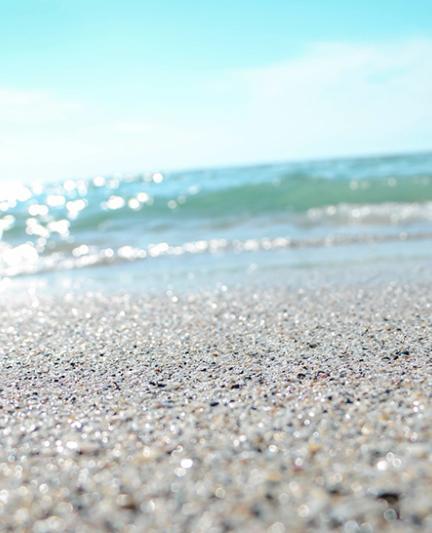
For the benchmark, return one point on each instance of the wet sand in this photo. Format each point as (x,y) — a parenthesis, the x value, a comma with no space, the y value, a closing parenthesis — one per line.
(267,410)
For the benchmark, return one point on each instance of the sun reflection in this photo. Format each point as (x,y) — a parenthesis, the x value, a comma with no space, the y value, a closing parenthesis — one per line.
(157,177)
(114,202)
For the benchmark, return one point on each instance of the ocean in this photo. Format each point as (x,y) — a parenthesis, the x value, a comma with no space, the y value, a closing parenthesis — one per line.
(288,222)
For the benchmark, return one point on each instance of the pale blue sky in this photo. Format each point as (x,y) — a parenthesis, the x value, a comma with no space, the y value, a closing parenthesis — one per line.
(99,86)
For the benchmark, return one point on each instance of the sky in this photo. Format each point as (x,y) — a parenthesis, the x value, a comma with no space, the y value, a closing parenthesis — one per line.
(91,87)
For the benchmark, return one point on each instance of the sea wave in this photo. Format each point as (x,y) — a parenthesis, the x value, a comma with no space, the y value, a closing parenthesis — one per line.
(25,259)
(115,204)
(385,214)
(44,226)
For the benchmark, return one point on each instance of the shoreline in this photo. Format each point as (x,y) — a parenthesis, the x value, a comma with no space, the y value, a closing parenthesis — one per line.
(251,409)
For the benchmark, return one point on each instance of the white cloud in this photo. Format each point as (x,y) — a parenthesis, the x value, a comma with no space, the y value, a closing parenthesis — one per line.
(342,98)
(18,106)
(335,99)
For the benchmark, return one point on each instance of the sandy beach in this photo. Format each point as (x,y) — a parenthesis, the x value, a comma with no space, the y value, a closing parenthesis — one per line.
(266,410)
(215,266)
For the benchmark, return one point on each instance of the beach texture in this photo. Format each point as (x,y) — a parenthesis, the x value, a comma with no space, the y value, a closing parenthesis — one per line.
(267,410)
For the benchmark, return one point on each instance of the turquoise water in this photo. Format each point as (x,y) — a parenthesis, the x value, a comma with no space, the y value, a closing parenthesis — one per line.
(271,217)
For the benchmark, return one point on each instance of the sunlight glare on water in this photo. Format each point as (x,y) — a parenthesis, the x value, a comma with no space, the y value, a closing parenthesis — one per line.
(110,219)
